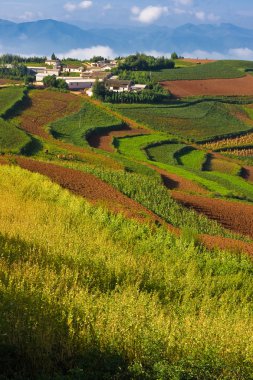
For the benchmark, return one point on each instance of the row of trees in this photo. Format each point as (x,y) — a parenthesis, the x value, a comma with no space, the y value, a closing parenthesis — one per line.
(17,72)
(153,94)
(12,59)
(143,62)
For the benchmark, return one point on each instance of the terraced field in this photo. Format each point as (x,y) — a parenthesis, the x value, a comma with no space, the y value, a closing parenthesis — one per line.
(193,120)
(212,70)
(108,225)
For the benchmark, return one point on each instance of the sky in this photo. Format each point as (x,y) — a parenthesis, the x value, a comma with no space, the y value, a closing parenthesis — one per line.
(171,13)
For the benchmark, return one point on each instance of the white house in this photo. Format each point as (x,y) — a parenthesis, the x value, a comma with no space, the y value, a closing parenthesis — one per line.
(118,85)
(47,72)
(138,87)
(73,69)
(78,84)
(56,63)
(36,69)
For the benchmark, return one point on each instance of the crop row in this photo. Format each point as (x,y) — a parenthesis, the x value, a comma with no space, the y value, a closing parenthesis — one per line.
(88,294)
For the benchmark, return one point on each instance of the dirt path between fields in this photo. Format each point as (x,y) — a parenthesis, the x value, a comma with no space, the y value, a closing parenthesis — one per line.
(234,216)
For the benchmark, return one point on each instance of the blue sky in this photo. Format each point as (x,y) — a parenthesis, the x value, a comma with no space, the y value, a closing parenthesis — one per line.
(131,12)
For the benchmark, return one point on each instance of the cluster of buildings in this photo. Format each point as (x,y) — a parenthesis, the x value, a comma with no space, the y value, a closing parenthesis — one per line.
(83,78)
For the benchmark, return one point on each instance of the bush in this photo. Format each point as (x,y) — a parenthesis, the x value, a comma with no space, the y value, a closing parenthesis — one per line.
(52,81)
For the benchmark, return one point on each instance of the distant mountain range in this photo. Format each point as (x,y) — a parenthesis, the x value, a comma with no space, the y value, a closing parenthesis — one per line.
(47,36)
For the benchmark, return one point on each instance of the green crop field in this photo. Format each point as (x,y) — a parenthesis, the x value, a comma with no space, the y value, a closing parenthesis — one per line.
(134,147)
(12,139)
(164,152)
(191,158)
(116,299)
(76,128)
(194,120)
(110,286)
(213,70)
(9,97)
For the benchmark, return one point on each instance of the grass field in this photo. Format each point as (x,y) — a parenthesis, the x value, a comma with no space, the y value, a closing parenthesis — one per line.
(193,120)
(77,127)
(191,158)
(222,166)
(12,139)
(85,291)
(134,147)
(164,152)
(9,97)
(213,70)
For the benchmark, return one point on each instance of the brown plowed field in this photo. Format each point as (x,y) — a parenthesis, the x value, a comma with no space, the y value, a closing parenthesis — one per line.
(104,140)
(230,245)
(45,107)
(234,216)
(96,191)
(91,188)
(227,87)
(248,173)
(195,60)
(175,182)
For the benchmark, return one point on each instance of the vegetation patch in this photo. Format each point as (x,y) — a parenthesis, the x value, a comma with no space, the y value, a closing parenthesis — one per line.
(194,120)
(12,139)
(10,97)
(54,295)
(213,70)
(76,128)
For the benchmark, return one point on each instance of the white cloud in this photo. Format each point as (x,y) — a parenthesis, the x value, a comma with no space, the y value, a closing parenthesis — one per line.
(184,2)
(149,14)
(238,53)
(157,54)
(202,16)
(242,53)
(71,7)
(87,53)
(85,4)
(108,7)
(28,16)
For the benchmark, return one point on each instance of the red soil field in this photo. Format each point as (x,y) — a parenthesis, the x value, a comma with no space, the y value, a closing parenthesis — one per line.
(45,107)
(96,191)
(104,140)
(176,182)
(234,216)
(91,188)
(215,87)
(201,61)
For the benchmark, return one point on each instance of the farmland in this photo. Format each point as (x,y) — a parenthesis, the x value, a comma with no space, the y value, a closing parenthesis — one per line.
(194,120)
(211,87)
(9,97)
(212,70)
(111,288)
(77,127)
(126,238)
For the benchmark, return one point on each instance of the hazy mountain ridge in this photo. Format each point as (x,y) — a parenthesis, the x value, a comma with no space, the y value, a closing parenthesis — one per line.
(45,36)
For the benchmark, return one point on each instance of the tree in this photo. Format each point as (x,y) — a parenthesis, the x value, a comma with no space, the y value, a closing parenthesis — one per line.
(174,55)
(29,79)
(52,81)
(99,90)
(53,57)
